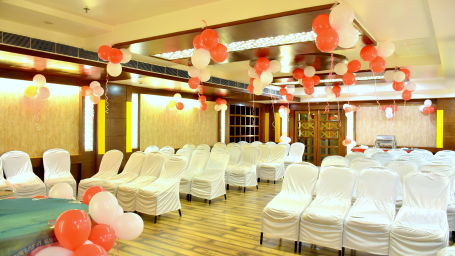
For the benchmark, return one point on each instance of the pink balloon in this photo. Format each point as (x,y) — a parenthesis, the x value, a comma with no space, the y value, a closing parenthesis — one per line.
(43,93)
(98,91)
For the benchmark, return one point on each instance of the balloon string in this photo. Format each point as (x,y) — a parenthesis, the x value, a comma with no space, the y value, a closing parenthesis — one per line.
(117,245)
(106,94)
(205,24)
(375,92)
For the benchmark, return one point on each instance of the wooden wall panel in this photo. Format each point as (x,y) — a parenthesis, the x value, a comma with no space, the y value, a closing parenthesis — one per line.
(410,126)
(33,125)
(448,105)
(162,126)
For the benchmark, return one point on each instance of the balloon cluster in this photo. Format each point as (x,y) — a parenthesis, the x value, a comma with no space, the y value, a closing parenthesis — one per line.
(389,110)
(348,142)
(284,111)
(114,57)
(261,75)
(335,29)
(94,90)
(427,107)
(307,78)
(334,91)
(177,102)
(39,88)
(76,236)
(221,104)
(347,71)
(400,79)
(203,100)
(348,108)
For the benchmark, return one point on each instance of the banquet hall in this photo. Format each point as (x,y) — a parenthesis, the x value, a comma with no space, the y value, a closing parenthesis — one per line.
(227,127)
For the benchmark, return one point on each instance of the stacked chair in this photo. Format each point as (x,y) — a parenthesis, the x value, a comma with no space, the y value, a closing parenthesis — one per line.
(383,157)
(354,155)
(167,150)
(334,161)
(402,168)
(197,164)
(57,169)
(3,184)
(359,164)
(130,172)
(19,174)
(151,149)
(273,169)
(370,151)
(244,173)
(295,154)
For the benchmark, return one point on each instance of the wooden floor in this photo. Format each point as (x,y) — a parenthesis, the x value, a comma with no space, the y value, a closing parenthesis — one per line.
(229,227)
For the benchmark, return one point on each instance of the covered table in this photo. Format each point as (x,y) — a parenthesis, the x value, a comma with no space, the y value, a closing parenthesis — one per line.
(24,223)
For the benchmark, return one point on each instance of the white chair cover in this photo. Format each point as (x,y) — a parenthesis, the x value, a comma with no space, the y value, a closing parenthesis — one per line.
(370,151)
(243,142)
(445,153)
(203,146)
(322,221)
(130,172)
(197,163)
(3,183)
(423,154)
(420,227)
(219,145)
(383,157)
(281,216)
(19,174)
(57,169)
(151,149)
(185,153)
(168,150)
(397,153)
(370,219)
(359,164)
(190,146)
(150,171)
(288,146)
(162,196)
(270,143)
(274,168)
(210,183)
(244,173)
(264,153)
(256,143)
(110,164)
(448,251)
(403,168)
(234,154)
(354,155)
(415,158)
(334,161)
(295,154)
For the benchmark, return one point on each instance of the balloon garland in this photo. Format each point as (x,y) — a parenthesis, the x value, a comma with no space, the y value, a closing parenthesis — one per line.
(114,57)
(427,107)
(221,104)
(39,89)
(389,110)
(261,75)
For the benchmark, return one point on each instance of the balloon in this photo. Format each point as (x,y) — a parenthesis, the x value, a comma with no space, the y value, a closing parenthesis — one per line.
(406,72)
(346,142)
(202,98)
(115,55)
(389,115)
(354,66)
(94,84)
(432,109)
(377,65)
(399,76)
(283,91)
(336,89)
(31,91)
(177,96)
(258,90)
(103,235)
(98,91)
(103,52)
(171,104)
(421,107)
(95,99)
(193,71)
(340,16)
(368,53)
(262,64)
(320,23)
(90,192)
(104,208)
(386,49)
(427,103)
(309,91)
(72,228)
(410,86)
(219,53)
(349,79)
(309,71)
(250,88)
(266,77)
(194,82)
(114,69)
(348,36)
(39,80)
(43,93)
(54,251)
(298,73)
(126,56)
(327,40)
(128,226)
(180,105)
(223,107)
(86,91)
(197,42)
(397,86)
(61,190)
(340,68)
(257,83)
(38,196)
(204,75)
(307,82)
(90,250)
(217,107)
(275,66)
(204,106)
(200,58)
(316,79)
(252,72)
(388,75)
(291,88)
(209,38)
(406,95)
(289,97)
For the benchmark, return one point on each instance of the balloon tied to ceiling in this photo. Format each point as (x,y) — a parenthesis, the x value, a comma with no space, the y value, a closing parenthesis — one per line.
(94,91)
(39,89)
(427,107)
(261,75)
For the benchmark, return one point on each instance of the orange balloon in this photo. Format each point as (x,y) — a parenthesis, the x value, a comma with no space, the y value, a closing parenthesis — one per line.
(262,64)
(115,55)
(289,97)
(349,78)
(203,106)
(346,142)
(40,196)
(398,86)
(298,73)
(202,98)
(309,91)
(209,38)
(90,192)
(103,52)
(316,79)
(368,53)
(103,235)
(354,66)
(86,91)
(72,228)
(197,42)
(336,89)
(95,99)
(283,92)
(179,105)
(308,82)
(90,250)
(377,65)
(194,82)
(250,88)
(407,73)
(219,53)
(327,40)
(320,23)
(406,95)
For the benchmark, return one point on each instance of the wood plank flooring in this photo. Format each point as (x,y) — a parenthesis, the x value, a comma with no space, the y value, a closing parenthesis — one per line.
(229,227)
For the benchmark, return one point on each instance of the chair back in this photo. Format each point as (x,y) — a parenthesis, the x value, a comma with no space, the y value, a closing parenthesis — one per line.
(152,165)
(57,163)
(382,157)
(173,168)
(300,179)
(167,150)
(334,161)
(16,164)
(428,190)
(361,163)
(151,149)
(378,184)
(336,182)
(111,161)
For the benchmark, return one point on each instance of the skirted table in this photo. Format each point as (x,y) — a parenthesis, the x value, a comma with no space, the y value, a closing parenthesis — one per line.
(25,223)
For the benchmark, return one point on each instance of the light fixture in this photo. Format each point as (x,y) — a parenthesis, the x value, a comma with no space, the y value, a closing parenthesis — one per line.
(333,80)
(249,44)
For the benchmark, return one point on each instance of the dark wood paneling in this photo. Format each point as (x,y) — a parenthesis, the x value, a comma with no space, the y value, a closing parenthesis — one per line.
(448,105)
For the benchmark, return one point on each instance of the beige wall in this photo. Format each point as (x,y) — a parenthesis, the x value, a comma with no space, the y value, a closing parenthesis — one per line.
(164,126)
(33,125)
(410,126)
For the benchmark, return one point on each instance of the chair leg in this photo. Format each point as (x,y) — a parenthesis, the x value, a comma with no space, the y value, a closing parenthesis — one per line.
(225,197)
(210,202)
(259,179)
(342,251)
(274,182)
(262,238)
(300,247)
(257,187)
(244,189)
(155,219)
(227,186)
(453,236)
(191,197)
(295,246)
(180,212)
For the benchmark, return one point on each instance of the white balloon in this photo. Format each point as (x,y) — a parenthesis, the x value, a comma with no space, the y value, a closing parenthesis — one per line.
(385,49)
(98,91)
(389,115)
(348,37)
(389,110)
(341,16)
(427,103)
(104,208)
(399,76)
(204,75)
(340,68)
(258,90)
(61,190)
(266,77)
(309,71)
(285,139)
(217,107)
(54,251)
(114,69)
(126,56)
(223,107)
(257,83)
(410,86)
(39,80)
(353,143)
(421,107)
(128,226)
(200,58)
(94,84)
(275,66)
(252,73)
(345,106)
(290,88)
(177,96)
(193,71)
(388,75)
(331,96)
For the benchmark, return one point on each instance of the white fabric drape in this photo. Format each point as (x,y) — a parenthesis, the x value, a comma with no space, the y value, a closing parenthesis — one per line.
(244,173)
(370,219)
(110,164)
(403,168)
(448,251)
(150,171)
(197,163)
(186,153)
(445,153)
(130,172)
(295,154)
(264,153)
(162,196)
(383,157)
(19,174)
(420,227)
(219,145)
(273,169)
(256,143)
(287,145)
(151,149)
(57,168)
(334,161)
(234,154)
(322,222)
(397,153)
(281,216)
